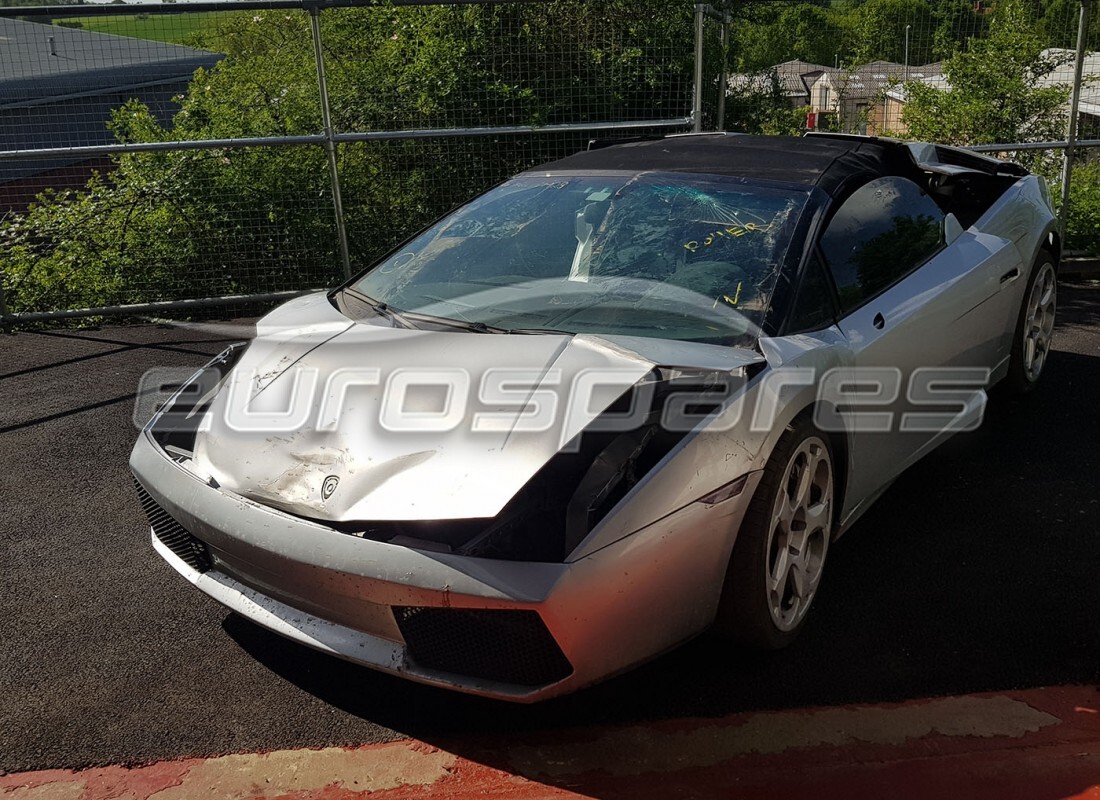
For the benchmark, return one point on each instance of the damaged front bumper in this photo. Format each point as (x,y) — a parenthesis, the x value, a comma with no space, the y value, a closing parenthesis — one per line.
(511,630)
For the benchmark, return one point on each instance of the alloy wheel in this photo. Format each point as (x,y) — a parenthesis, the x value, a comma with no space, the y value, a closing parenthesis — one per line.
(1039,322)
(799,535)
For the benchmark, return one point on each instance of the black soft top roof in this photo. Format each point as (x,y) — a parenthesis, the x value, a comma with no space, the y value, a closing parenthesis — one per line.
(828,163)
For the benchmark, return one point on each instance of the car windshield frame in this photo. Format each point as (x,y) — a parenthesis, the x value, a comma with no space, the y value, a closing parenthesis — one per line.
(778,245)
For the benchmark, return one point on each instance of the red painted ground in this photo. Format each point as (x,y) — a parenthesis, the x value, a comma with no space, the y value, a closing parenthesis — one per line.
(1040,744)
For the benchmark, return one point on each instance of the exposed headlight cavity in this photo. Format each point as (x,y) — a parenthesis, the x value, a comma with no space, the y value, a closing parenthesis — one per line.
(577,488)
(175,426)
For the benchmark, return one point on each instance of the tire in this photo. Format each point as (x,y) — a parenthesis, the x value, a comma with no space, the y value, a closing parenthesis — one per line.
(770,587)
(1034,330)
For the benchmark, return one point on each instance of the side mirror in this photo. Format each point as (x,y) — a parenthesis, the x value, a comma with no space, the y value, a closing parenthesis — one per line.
(952,228)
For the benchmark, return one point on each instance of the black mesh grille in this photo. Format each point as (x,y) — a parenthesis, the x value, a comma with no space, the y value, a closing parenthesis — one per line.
(510,646)
(172,534)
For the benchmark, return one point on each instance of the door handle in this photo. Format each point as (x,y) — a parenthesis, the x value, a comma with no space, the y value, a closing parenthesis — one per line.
(879,321)
(1010,276)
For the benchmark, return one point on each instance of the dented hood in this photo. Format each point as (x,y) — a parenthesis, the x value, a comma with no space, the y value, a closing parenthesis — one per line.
(342,421)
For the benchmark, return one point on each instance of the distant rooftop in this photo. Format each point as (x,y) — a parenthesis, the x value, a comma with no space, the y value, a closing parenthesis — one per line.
(1062,75)
(866,80)
(876,77)
(793,77)
(32,67)
(63,93)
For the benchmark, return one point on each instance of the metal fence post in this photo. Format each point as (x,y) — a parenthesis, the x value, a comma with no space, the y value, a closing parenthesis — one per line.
(697,94)
(1074,106)
(330,143)
(723,81)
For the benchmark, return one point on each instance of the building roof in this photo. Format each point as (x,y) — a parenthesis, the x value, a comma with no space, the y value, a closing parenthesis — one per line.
(1061,76)
(876,77)
(826,162)
(867,80)
(792,77)
(33,68)
(63,93)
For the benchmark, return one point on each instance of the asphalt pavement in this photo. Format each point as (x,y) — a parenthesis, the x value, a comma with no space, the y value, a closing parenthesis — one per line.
(1032,744)
(976,572)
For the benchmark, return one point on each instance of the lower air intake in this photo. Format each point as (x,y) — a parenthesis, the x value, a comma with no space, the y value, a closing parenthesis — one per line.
(173,535)
(506,645)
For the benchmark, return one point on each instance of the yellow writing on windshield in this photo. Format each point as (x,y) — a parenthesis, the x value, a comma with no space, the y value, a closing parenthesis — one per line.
(731,300)
(733,231)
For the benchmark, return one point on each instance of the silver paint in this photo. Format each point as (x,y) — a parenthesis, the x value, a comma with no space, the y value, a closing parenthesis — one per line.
(650,574)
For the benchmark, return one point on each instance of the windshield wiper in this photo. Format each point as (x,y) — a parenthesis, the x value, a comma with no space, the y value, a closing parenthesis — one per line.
(392,314)
(411,318)
(461,324)
(484,327)
(540,331)
(381,309)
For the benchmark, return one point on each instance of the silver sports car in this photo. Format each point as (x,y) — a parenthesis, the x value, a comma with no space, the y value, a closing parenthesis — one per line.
(614,402)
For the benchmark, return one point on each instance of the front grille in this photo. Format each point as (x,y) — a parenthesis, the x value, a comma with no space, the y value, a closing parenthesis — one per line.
(173,535)
(506,645)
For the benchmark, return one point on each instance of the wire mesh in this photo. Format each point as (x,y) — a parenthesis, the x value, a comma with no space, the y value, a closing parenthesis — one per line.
(91,228)
(171,226)
(893,67)
(396,187)
(507,64)
(963,72)
(61,78)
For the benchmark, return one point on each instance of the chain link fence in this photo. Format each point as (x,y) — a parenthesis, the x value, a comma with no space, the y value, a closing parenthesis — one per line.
(177,152)
(162,157)
(999,76)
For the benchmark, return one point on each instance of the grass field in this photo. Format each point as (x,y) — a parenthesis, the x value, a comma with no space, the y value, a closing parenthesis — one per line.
(176,28)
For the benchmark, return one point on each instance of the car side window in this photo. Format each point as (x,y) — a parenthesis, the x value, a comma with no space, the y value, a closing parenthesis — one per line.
(880,234)
(814,308)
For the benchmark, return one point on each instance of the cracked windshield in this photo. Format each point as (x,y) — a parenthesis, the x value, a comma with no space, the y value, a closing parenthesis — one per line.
(661,255)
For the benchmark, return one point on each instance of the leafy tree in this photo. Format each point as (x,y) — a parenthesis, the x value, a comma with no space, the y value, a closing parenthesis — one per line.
(1083,223)
(852,32)
(762,108)
(778,32)
(1060,20)
(879,27)
(258,219)
(956,24)
(997,92)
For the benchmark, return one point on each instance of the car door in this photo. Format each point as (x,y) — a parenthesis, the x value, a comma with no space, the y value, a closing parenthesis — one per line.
(904,293)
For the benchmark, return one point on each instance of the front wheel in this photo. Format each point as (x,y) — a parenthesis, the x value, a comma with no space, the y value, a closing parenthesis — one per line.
(779,555)
(1034,327)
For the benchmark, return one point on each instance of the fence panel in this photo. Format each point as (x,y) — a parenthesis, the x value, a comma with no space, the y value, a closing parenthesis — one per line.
(958,72)
(174,225)
(874,66)
(200,161)
(168,152)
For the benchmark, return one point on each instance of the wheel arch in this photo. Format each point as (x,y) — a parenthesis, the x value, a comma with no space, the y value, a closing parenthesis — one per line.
(841,448)
(1052,241)
(741,609)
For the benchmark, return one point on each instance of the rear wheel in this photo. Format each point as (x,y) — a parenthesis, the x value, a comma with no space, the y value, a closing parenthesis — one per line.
(1034,327)
(779,556)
